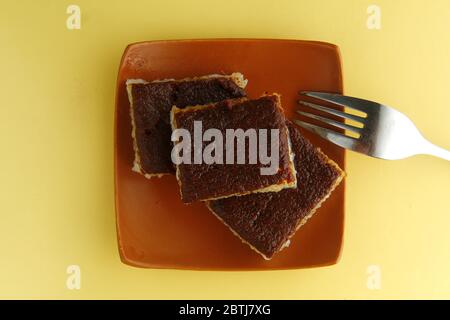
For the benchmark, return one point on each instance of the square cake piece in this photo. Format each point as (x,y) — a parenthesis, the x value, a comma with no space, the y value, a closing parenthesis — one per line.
(150,105)
(267,221)
(228,176)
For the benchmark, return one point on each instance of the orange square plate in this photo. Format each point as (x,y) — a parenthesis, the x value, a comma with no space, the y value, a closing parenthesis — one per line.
(155,229)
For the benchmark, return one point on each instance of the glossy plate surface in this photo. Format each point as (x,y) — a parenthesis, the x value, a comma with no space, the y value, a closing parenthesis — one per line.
(155,229)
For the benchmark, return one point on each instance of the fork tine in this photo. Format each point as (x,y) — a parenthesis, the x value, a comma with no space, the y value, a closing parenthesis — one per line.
(365,106)
(331,122)
(334,137)
(333,111)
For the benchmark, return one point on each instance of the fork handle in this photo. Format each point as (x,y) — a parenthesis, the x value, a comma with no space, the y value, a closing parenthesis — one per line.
(436,151)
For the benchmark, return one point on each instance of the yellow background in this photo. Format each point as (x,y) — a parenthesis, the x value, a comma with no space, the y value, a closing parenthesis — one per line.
(56,137)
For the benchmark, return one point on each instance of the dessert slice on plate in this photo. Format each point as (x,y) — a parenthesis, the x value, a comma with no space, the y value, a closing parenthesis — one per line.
(248,141)
(267,221)
(150,105)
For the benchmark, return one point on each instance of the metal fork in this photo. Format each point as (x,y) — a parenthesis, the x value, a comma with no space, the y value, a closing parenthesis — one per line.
(382,133)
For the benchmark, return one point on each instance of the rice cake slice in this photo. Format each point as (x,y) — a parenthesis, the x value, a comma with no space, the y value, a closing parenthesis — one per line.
(221,180)
(150,105)
(267,221)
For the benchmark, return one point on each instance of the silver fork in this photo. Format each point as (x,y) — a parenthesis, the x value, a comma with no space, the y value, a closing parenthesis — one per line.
(385,132)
